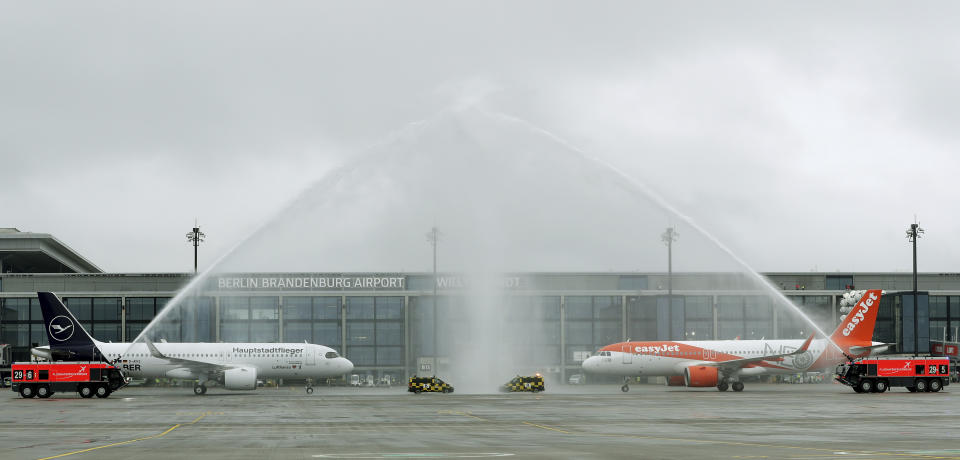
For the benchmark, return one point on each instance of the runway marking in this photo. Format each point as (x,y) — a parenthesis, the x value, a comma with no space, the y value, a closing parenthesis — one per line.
(131,440)
(416,455)
(548,428)
(465,414)
(833,452)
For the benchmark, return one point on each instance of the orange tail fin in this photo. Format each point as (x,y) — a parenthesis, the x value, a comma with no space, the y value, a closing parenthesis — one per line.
(857,327)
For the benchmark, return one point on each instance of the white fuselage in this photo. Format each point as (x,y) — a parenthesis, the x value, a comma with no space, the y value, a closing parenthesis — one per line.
(670,358)
(271,360)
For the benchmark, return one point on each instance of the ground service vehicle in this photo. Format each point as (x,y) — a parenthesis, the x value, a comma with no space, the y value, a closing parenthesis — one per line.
(86,378)
(421,384)
(532,383)
(876,375)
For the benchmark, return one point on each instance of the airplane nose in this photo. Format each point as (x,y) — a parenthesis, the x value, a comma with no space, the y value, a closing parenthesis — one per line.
(345,365)
(591,363)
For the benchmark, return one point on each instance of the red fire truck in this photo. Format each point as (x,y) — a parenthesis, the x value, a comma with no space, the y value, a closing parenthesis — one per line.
(876,375)
(86,378)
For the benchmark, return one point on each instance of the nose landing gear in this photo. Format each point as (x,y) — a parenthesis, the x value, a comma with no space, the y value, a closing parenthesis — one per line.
(626,385)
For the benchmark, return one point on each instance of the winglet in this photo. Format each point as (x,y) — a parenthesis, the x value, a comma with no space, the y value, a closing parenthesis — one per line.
(153,349)
(806,343)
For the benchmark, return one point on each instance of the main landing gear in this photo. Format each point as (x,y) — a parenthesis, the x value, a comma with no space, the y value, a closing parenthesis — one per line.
(199,389)
(724,385)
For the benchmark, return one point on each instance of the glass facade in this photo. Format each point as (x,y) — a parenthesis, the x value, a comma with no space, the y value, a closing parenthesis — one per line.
(250,319)
(99,315)
(698,318)
(790,325)
(375,331)
(312,319)
(944,317)
(590,323)
(642,317)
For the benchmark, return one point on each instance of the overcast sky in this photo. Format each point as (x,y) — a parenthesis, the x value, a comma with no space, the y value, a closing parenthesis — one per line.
(804,135)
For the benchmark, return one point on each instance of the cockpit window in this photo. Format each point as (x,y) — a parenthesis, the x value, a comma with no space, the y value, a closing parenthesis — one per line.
(331,355)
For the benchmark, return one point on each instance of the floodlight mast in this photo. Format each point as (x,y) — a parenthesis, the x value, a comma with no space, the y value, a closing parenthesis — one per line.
(668,238)
(196,237)
(913,234)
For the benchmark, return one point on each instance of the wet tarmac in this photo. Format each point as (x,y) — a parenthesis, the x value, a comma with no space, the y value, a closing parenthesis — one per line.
(817,422)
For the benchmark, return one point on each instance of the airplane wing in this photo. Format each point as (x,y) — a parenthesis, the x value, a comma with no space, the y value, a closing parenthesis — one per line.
(857,350)
(737,364)
(196,367)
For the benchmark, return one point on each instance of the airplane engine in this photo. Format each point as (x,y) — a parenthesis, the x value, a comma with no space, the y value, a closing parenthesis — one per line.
(51,355)
(701,376)
(44,353)
(240,378)
(675,381)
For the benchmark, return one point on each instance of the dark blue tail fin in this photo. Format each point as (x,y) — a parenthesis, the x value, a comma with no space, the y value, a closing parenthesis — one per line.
(68,340)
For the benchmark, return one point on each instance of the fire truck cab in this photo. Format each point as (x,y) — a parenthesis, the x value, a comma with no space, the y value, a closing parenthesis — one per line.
(876,375)
(85,378)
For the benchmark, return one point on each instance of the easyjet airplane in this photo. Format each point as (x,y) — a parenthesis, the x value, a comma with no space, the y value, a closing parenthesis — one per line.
(721,363)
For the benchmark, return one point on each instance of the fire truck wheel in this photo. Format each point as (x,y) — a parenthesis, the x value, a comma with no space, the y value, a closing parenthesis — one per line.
(27,391)
(102,391)
(43,391)
(866,386)
(920,385)
(935,385)
(737,386)
(881,386)
(85,391)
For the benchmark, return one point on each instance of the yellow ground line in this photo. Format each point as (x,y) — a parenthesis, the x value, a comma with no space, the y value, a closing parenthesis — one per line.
(547,428)
(125,442)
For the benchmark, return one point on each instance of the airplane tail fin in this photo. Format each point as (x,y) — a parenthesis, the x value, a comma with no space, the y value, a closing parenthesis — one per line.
(856,329)
(68,339)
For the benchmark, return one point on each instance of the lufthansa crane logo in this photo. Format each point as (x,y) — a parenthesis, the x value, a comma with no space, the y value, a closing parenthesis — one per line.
(61,328)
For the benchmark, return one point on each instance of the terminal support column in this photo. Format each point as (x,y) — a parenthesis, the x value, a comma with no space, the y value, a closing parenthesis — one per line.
(343,325)
(563,340)
(216,318)
(716,327)
(280,318)
(123,319)
(623,317)
(406,336)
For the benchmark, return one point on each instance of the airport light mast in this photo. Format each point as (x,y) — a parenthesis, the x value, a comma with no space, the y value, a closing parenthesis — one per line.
(668,238)
(913,234)
(195,237)
(434,239)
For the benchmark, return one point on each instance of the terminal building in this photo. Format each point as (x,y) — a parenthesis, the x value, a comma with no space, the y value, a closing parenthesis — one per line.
(384,322)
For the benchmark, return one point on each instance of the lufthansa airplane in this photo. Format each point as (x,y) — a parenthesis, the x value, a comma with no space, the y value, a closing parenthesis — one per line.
(236,366)
(721,363)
